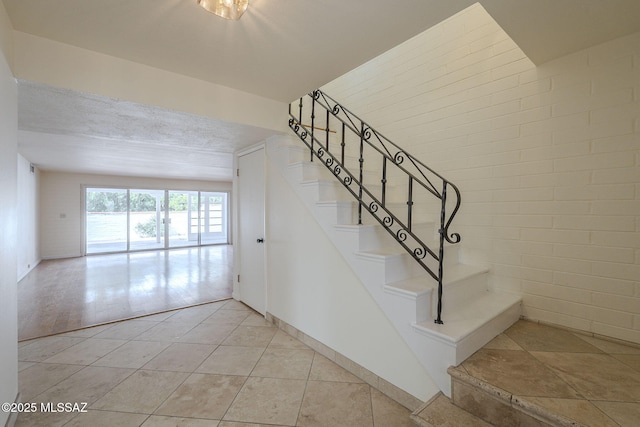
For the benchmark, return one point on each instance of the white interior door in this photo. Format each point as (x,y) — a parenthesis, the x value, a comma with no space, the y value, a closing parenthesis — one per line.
(251,229)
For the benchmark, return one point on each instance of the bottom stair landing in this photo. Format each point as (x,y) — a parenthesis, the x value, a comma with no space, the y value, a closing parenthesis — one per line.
(538,375)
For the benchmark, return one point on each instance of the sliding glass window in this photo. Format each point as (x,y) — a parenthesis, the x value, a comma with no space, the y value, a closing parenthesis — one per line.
(106,220)
(213,218)
(121,220)
(146,228)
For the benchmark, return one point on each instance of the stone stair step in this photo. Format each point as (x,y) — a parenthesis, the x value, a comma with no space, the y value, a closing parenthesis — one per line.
(499,407)
(441,412)
(539,374)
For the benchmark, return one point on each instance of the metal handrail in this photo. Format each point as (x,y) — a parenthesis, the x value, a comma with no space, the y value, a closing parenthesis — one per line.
(416,173)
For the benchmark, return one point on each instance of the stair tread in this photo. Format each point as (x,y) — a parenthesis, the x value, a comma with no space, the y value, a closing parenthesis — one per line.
(321,164)
(395,251)
(425,283)
(513,393)
(519,404)
(304,162)
(470,317)
(334,202)
(441,412)
(418,225)
(381,253)
(459,271)
(321,182)
(413,286)
(354,227)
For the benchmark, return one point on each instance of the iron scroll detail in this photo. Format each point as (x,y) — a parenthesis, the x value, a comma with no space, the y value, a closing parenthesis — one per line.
(369,147)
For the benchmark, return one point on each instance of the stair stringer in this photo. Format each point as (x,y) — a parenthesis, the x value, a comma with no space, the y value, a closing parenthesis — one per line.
(395,281)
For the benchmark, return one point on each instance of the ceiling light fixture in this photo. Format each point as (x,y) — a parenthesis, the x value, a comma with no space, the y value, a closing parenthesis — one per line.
(227,9)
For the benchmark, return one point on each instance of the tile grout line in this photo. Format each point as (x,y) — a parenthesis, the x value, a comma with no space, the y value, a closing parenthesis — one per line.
(408,401)
(306,384)
(189,374)
(135,370)
(245,380)
(190,371)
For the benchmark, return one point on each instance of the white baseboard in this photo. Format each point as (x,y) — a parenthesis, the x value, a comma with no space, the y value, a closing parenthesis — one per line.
(13,416)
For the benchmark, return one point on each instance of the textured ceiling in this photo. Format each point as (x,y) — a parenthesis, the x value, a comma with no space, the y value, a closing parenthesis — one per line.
(279,49)
(71,131)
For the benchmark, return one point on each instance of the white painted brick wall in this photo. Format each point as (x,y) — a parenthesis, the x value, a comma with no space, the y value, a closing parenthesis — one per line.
(547,159)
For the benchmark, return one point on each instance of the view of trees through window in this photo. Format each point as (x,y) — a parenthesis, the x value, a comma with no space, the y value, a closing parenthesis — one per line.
(102,201)
(126,219)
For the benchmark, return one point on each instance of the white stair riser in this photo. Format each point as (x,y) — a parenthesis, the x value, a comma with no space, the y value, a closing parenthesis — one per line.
(461,292)
(439,352)
(419,306)
(335,212)
(454,296)
(364,237)
(323,190)
(295,154)
(406,262)
(306,171)
(371,237)
(371,178)
(451,256)
(389,269)
(419,214)
(489,331)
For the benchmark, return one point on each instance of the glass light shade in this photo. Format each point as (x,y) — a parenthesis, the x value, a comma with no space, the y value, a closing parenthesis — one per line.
(228,9)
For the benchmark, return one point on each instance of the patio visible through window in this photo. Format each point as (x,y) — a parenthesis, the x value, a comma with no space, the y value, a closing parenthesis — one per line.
(120,220)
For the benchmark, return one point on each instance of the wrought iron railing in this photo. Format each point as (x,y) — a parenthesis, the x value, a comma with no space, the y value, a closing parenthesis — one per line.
(367,150)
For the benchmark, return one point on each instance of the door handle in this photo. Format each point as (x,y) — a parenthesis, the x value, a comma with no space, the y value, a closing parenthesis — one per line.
(260,240)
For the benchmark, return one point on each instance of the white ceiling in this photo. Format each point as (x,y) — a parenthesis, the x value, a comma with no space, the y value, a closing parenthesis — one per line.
(279,49)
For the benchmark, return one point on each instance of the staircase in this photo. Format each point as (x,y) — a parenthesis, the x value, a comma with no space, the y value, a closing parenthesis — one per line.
(412,266)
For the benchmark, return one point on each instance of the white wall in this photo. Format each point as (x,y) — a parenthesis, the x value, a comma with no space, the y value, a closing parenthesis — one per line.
(311,287)
(62,65)
(8,221)
(547,159)
(28,250)
(61,209)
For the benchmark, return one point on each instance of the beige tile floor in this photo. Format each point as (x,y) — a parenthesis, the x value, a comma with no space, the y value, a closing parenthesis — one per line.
(63,295)
(592,381)
(217,364)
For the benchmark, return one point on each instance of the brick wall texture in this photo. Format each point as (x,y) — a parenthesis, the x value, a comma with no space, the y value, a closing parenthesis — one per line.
(547,159)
